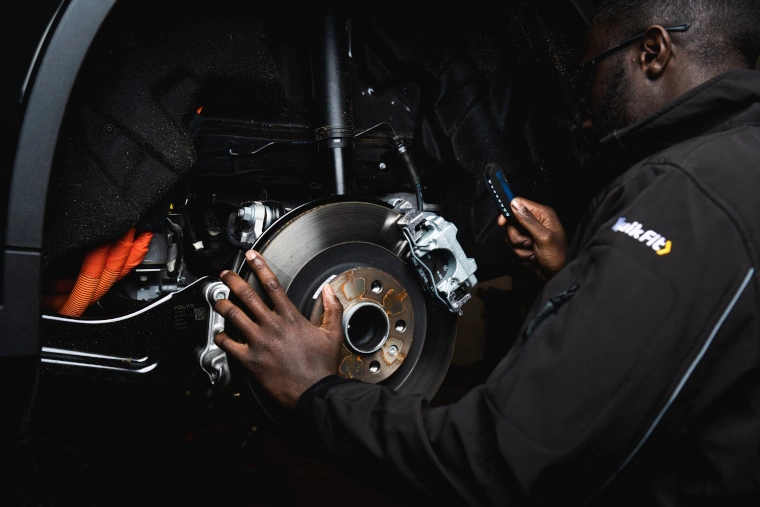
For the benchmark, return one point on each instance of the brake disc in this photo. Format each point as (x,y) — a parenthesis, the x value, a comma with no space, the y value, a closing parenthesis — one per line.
(395,333)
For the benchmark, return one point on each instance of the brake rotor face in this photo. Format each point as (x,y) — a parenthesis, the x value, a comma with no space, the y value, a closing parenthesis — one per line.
(357,247)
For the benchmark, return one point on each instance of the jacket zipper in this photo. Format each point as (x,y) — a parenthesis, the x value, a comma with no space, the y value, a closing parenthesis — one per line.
(550,308)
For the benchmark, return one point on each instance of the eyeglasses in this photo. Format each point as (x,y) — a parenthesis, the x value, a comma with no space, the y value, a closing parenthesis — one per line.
(584,76)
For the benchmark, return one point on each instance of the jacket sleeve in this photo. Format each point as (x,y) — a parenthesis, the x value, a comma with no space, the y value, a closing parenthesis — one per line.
(596,370)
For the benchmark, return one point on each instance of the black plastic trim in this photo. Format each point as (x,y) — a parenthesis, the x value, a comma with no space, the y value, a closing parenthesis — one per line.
(48,96)
(20,314)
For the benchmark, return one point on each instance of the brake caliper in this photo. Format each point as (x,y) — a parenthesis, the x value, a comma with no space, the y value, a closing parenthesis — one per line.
(441,264)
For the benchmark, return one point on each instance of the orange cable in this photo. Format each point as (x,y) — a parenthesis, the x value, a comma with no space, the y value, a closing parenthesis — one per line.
(117,257)
(102,267)
(137,254)
(59,286)
(87,281)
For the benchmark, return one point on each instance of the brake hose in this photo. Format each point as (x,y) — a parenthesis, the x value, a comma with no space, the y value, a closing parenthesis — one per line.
(405,157)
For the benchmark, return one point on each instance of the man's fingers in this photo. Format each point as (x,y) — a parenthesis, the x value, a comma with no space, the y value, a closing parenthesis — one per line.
(247,296)
(545,215)
(332,320)
(232,348)
(527,219)
(269,281)
(525,255)
(237,317)
(517,239)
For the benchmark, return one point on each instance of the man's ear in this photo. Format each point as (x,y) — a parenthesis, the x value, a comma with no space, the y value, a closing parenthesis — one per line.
(656,51)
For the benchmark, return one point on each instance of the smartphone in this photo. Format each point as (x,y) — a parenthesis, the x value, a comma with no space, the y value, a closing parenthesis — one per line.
(499,188)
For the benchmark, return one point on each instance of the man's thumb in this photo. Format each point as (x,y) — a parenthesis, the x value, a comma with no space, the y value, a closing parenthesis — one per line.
(526,218)
(332,319)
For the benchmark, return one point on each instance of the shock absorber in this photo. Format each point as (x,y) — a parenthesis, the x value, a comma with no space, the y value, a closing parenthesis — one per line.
(334,131)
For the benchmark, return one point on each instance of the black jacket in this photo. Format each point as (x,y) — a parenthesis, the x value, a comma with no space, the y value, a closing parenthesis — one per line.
(636,377)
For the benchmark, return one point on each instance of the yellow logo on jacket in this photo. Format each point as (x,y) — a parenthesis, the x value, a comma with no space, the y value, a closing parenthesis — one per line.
(656,241)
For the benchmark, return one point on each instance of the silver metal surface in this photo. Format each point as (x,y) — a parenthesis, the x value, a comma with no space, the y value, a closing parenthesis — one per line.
(430,234)
(366,314)
(213,360)
(258,217)
(71,357)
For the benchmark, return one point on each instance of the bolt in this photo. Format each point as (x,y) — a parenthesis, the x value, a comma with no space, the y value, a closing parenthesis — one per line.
(219,295)
(108,128)
(393,350)
(382,166)
(246,214)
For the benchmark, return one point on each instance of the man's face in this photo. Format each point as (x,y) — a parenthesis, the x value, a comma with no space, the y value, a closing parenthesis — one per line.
(611,98)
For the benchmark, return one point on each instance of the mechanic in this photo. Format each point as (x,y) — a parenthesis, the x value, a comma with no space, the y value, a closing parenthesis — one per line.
(636,377)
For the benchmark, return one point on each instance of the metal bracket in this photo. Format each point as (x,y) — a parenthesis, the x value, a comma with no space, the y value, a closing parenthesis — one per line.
(257,217)
(213,360)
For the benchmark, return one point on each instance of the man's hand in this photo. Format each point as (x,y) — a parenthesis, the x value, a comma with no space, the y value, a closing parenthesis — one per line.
(545,245)
(284,352)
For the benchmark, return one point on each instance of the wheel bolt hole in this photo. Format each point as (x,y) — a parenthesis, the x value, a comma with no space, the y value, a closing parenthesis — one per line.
(374,367)
(377,286)
(400,326)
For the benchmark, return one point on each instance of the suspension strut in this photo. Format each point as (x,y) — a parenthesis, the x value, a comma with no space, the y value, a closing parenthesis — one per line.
(334,130)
